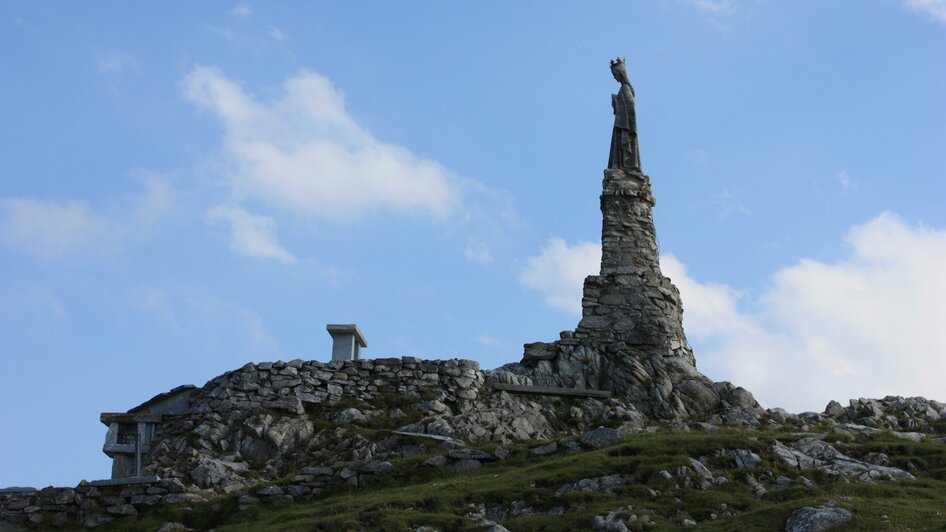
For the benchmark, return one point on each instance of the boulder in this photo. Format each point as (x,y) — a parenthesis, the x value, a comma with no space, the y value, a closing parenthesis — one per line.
(543,450)
(602,437)
(350,415)
(377,468)
(436,461)
(810,519)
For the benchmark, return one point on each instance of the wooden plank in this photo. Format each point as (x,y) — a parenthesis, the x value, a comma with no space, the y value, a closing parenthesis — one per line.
(548,390)
(108,418)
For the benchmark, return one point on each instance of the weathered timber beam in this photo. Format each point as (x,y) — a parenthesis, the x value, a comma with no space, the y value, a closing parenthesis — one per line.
(548,390)
(108,418)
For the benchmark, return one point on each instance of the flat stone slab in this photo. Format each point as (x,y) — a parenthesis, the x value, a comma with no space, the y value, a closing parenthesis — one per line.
(549,390)
(437,437)
(125,481)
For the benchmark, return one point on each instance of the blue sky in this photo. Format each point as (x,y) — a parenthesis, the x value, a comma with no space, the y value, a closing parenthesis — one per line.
(188,187)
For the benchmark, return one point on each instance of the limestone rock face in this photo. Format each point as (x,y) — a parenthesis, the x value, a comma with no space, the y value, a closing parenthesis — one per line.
(630,339)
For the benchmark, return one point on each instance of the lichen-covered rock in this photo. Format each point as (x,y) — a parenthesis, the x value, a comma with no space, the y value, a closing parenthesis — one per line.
(901,414)
(810,453)
(743,459)
(810,519)
(602,437)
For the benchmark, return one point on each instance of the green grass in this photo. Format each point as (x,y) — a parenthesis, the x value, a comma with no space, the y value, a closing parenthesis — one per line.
(413,495)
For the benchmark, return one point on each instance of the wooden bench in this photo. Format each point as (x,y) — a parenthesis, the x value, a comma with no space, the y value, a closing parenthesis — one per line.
(549,390)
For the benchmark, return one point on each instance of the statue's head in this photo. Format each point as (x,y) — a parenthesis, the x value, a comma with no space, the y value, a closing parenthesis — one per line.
(619,71)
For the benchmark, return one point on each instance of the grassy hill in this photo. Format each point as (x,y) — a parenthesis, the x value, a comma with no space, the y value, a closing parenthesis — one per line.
(655,493)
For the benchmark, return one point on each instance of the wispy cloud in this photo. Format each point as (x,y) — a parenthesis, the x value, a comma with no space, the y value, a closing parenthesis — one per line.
(115,62)
(259,335)
(52,230)
(477,251)
(699,157)
(189,310)
(934,9)
(157,301)
(250,234)
(489,341)
(714,7)
(241,10)
(729,204)
(846,181)
(276,33)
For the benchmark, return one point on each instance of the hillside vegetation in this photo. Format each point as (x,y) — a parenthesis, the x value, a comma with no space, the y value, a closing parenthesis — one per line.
(727,480)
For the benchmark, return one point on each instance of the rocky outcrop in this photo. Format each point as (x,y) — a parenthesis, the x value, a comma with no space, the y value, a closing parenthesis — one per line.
(264,421)
(630,339)
(908,414)
(812,453)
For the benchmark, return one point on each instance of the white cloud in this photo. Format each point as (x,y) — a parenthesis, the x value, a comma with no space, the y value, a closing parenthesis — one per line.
(53,230)
(276,33)
(250,234)
(303,152)
(241,10)
(935,9)
(710,309)
(559,272)
(867,326)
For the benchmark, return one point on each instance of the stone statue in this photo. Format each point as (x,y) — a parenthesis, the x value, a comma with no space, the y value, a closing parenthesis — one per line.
(625,152)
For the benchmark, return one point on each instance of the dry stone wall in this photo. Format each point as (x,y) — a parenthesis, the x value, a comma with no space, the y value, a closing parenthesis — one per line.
(89,504)
(266,419)
(290,386)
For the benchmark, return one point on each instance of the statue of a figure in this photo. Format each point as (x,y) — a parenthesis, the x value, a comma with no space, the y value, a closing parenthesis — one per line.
(625,152)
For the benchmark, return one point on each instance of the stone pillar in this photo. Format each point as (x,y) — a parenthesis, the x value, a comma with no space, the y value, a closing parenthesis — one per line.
(628,237)
(631,305)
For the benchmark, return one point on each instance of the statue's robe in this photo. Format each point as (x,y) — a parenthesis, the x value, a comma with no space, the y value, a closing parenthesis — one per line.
(625,152)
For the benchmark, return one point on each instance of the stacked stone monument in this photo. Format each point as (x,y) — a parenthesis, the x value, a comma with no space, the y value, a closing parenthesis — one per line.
(630,340)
